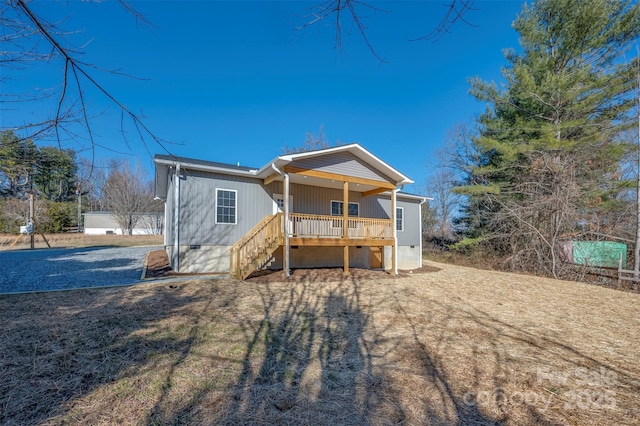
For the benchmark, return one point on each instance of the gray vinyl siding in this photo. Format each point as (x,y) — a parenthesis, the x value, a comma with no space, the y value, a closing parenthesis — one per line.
(169,207)
(343,163)
(317,200)
(197,207)
(255,202)
(410,236)
(161,182)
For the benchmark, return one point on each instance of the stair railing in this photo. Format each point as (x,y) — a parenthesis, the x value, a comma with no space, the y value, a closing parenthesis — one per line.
(251,251)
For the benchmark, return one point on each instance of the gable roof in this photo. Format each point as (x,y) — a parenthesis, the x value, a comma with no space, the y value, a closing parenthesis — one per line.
(201,164)
(163,162)
(355,149)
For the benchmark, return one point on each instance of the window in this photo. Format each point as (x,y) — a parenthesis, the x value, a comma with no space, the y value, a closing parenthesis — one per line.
(337,210)
(226,203)
(337,206)
(399,219)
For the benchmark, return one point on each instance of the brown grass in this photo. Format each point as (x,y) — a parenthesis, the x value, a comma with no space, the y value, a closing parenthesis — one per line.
(79,240)
(455,346)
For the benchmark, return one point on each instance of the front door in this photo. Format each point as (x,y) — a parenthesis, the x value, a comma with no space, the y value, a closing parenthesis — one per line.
(278,203)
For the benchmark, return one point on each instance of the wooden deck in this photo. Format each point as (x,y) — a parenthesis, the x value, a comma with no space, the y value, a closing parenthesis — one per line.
(310,230)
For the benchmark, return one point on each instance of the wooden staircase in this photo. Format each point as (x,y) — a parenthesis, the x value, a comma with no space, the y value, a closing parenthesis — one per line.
(256,248)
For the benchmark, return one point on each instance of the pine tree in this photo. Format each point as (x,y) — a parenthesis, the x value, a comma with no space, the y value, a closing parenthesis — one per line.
(56,168)
(17,165)
(551,137)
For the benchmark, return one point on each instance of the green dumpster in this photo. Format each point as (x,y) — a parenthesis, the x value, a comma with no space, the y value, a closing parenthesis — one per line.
(599,253)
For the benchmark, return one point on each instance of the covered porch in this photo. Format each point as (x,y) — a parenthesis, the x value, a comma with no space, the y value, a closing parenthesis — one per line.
(342,228)
(307,230)
(330,230)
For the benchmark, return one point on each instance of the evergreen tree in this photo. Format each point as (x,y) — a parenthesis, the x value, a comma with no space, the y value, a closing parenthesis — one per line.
(17,164)
(551,137)
(56,169)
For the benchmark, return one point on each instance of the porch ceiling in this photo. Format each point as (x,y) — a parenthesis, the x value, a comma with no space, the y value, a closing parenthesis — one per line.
(329,183)
(330,180)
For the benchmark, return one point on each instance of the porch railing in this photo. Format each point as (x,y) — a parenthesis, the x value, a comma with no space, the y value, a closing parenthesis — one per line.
(314,225)
(256,248)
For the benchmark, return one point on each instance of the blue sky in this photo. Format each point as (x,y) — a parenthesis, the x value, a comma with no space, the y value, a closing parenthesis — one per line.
(235,82)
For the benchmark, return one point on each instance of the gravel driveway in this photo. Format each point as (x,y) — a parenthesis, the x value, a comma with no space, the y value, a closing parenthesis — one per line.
(63,269)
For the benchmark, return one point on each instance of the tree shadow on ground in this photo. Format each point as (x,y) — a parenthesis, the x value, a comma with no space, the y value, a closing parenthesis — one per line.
(503,375)
(80,341)
(230,352)
(309,362)
(316,356)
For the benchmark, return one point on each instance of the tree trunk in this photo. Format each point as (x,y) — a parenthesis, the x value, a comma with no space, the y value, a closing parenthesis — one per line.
(636,257)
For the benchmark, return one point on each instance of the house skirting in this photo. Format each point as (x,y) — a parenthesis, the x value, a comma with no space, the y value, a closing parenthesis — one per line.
(215,259)
(201,259)
(409,257)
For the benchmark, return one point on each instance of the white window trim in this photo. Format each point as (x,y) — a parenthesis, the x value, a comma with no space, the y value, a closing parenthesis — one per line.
(340,201)
(402,223)
(216,207)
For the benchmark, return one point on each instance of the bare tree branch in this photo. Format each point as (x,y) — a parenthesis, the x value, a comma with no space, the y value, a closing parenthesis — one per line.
(456,12)
(357,9)
(336,7)
(68,111)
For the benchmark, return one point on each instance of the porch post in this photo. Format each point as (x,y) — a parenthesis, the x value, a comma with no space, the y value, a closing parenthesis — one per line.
(345,225)
(394,248)
(285,262)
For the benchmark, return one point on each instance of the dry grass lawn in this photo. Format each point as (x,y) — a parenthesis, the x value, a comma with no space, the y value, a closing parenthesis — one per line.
(64,240)
(457,346)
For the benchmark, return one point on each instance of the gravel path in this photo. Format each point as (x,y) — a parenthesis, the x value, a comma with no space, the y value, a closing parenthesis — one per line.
(63,269)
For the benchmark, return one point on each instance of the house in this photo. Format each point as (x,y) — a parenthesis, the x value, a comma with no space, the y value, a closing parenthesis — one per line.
(101,223)
(289,213)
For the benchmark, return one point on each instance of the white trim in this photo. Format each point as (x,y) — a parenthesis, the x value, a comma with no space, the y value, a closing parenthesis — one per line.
(394,203)
(287,193)
(405,195)
(287,230)
(176,220)
(396,224)
(165,234)
(215,212)
(420,224)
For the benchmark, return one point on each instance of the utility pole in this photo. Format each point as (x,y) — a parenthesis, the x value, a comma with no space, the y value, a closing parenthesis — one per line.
(31,234)
(79,194)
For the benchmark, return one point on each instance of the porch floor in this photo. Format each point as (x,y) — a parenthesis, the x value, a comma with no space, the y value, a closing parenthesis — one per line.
(316,241)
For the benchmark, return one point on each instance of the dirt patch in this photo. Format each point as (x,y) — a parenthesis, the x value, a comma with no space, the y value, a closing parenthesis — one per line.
(158,267)
(324,275)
